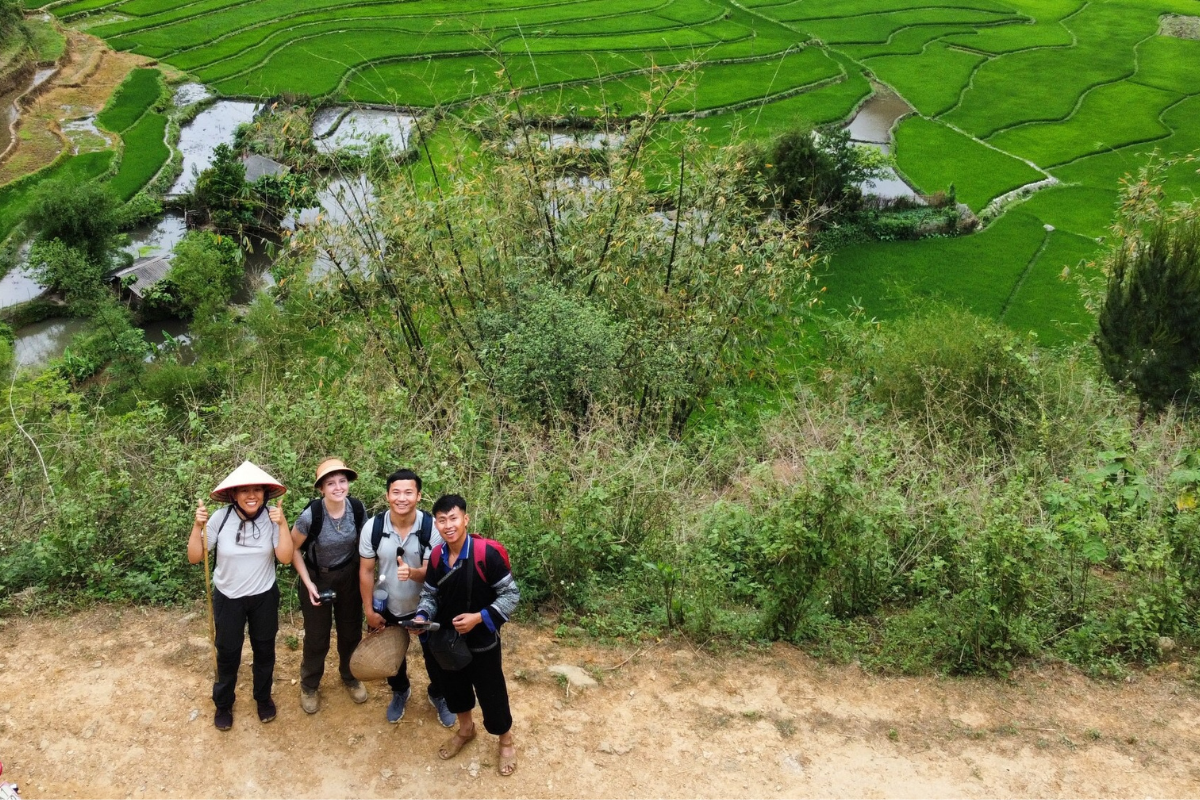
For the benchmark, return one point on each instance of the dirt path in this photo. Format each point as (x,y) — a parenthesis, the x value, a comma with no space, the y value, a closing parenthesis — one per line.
(114,703)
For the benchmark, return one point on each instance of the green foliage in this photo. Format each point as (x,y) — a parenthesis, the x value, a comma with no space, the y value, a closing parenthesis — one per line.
(82,215)
(817,173)
(956,375)
(206,270)
(552,353)
(222,190)
(68,270)
(490,267)
(11,17)
(1149,324)
(17,197)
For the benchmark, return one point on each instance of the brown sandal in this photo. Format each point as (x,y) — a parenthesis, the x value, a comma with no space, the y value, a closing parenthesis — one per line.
(454,744)
(507,765)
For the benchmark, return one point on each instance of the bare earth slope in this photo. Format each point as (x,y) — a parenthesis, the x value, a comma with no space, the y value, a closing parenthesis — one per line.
(114,703)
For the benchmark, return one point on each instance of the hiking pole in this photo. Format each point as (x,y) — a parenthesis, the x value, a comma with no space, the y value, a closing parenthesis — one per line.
(212,624)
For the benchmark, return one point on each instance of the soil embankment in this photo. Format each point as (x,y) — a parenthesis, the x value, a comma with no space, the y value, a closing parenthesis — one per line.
(59,116)
(114,703)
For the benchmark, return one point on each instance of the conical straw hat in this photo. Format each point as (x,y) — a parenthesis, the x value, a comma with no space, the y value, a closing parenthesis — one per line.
(379,654)
(247,475)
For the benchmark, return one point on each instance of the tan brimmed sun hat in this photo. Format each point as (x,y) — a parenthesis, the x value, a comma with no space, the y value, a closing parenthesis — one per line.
(379,654)
(247,474)
(331,465)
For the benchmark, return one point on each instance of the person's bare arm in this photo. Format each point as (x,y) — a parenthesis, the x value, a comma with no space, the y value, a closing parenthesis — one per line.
(195,548)
(366,587)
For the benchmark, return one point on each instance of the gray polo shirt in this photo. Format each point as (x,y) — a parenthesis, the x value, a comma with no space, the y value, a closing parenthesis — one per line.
(246,568)
(402,596)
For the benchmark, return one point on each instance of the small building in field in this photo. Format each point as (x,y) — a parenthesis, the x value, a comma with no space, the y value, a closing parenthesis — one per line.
(260,167)
(132,282)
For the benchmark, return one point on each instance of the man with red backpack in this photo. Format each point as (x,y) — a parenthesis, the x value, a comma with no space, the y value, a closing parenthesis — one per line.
(470,592)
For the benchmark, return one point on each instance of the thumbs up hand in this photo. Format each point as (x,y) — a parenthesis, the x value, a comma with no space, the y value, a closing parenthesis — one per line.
(276,513)
(201,514)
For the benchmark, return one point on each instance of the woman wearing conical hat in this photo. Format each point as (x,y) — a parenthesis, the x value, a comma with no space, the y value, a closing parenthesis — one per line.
(247,538)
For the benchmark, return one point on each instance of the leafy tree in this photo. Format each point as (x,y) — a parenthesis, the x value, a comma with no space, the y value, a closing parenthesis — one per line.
(1149,322)
(81,215)
(11,17)
(819,171)
(206,271)
(68,270)
(222,190)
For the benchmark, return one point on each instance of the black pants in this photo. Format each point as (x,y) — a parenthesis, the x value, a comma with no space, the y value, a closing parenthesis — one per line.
(482,678)
(346,610)
(232,615)
(399,682)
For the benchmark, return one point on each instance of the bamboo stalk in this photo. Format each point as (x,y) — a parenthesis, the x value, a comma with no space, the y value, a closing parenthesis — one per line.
(212,624)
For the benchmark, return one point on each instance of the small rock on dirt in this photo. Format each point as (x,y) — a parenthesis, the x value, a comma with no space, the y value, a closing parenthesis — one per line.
(614,749)
(576,677)
(790,763)
(385,773)
(1166,644)
(147,718)
(473,769)
(188,617)
(195,712)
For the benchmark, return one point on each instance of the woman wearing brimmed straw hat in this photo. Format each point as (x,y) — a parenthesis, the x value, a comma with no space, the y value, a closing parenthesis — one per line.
(247,538)
(326,534)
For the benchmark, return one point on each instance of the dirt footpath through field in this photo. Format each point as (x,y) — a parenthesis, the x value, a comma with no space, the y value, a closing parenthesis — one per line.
(115,703)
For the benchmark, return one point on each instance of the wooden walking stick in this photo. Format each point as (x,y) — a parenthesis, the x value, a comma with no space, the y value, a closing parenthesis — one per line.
(212,624)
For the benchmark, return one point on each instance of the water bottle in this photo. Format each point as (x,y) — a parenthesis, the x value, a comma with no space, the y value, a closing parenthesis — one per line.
(380,598)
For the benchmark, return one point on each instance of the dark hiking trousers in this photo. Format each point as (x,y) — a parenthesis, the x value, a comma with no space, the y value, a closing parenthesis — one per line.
(399,682)
(483,678)
(232,615)
(346,611)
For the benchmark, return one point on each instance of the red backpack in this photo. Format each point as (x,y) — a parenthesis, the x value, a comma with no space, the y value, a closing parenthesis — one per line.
(479,548)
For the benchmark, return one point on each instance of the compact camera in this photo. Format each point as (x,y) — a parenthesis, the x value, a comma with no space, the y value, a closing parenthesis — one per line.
(326,596)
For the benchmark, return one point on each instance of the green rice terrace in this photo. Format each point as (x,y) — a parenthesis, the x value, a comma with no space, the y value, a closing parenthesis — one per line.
(1065,96)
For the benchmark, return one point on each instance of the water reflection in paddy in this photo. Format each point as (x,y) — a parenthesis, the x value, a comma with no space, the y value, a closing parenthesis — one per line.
(340,129)
(199,138)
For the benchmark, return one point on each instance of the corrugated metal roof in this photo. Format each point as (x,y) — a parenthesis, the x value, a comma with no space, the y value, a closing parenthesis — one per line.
(146,272)
(258,166)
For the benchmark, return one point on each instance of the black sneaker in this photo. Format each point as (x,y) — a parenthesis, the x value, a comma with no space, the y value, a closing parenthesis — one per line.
(266,710)
(223,719)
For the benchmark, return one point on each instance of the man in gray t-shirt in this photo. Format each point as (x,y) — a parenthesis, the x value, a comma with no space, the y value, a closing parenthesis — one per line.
(402,558)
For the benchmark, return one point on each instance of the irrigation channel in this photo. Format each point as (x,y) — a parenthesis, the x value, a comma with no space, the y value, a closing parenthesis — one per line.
(334,129)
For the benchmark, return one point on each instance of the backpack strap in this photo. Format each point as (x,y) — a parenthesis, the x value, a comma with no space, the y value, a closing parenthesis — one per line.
(435,557)
(360,512)
(318,519)
(425,531)
(377,532)
(221,527)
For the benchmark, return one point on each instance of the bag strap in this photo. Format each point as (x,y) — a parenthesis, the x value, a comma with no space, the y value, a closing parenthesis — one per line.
(377,532)
(221,527)
(425,531)
(318,520)
(360,512)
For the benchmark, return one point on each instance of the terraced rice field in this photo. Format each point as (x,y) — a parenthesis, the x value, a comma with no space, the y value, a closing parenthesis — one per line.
(1006,92)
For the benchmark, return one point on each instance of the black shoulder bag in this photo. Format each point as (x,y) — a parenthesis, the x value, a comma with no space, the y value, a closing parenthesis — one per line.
(447,645)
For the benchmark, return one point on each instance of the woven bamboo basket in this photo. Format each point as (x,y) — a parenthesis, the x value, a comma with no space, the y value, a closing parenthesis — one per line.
(379,654)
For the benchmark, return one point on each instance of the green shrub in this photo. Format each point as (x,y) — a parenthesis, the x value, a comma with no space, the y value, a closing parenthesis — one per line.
(1149,337)
(959,376)
(553,354)
(80,214)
